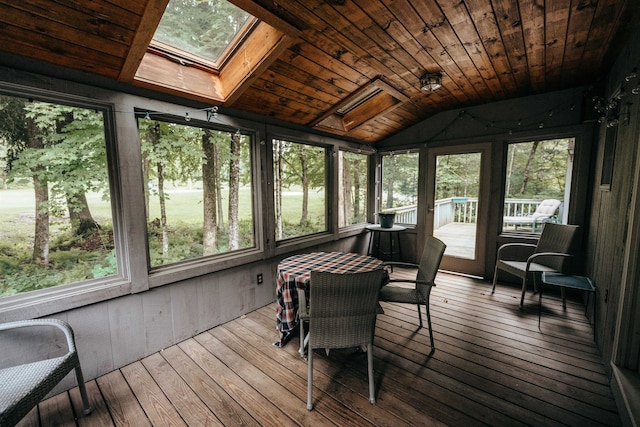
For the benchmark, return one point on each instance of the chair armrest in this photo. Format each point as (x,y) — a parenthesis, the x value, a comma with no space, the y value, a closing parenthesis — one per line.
(533,257)
(63,326)
(399,264)
(509,246)
(416,282)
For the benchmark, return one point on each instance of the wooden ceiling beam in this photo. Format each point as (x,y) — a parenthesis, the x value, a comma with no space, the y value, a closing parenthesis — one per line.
(144,33)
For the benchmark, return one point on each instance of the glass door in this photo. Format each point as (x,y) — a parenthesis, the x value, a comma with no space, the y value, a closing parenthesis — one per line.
(457,183)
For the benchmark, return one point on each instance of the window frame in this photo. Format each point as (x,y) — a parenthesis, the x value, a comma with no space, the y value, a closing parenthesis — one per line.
(184,57)
(329,151)
(269,36)
(126,186)
(71,295)
(370,189)
(186,269)
(566,202)
(379,182)
(580,175)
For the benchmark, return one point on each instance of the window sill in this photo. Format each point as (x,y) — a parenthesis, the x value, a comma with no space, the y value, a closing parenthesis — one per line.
(60,298)
(302,242)
(165,275)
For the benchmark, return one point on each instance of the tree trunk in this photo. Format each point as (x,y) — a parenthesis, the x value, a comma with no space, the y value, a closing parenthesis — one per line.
(210,226)
(163,211)
(389,175)
(218,173)
(356,191)
(347,185)
(305,184)
(146,168)
(80,215)
(527,169)
(510,170)
(41,189)
(155,139)
(234,190)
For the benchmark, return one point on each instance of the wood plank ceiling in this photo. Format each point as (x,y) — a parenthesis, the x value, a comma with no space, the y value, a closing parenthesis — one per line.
(321,52)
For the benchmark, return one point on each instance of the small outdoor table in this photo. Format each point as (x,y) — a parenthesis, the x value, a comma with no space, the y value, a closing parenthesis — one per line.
(393,234)
(568,281)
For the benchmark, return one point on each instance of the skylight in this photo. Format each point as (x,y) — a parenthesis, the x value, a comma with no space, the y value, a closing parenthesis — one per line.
(205,32)
(370,101)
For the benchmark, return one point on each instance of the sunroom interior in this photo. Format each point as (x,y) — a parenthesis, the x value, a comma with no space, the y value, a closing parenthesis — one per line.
(303,118)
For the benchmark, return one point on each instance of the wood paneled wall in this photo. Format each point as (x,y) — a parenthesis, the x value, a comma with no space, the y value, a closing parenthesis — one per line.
(612,258)
(614,238)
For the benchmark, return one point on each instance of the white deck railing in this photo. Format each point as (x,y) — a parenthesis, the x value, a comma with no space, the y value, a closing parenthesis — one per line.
(462,209)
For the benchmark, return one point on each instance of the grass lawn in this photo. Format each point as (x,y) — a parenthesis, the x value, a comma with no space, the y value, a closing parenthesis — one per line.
(183,205)
(75,258)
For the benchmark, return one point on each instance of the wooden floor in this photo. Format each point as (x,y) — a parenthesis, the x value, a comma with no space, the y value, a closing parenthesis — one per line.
(492,366)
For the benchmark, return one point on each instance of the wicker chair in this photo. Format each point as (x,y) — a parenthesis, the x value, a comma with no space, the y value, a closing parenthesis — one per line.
(23,386)
(551,253)
(342,314)
(420,293)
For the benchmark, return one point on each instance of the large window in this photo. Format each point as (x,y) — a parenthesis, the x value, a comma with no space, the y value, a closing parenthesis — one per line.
(400,186)
(538,180)
(56,222)
(300,176)
(198,190)
(352,188)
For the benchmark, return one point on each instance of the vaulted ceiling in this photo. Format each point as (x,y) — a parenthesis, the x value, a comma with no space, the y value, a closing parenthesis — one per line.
(310,58)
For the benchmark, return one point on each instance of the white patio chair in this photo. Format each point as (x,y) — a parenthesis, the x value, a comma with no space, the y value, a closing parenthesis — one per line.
(545,210)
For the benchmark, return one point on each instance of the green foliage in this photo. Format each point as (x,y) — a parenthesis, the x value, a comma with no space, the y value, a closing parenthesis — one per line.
(354,186)
(296,229)
(290,159)
(200,27)
(178,150)
(537,170)
(301,168)
(185,241)
(399,180)
(107,268)
(458,175)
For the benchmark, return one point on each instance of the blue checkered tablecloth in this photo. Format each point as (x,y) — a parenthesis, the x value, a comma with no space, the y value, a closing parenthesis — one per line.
(295,271)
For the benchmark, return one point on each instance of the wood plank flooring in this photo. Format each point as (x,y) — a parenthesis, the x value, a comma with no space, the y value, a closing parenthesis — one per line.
(492,366)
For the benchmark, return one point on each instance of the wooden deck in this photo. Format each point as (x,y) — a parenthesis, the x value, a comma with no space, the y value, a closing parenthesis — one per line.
(460,239)
(492,366)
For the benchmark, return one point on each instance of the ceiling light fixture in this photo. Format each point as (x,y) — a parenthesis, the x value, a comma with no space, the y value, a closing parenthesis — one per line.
(430,81)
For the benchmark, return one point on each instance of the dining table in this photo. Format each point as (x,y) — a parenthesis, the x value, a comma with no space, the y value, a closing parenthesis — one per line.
(294,273)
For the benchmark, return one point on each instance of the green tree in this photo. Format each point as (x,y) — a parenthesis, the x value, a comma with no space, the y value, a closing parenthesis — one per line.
(537,169)
(300,165)
(176,153)
(210,191)
(399,179)
(457,175)
(201,27)
(61,149)
(78,145)
(234,189)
